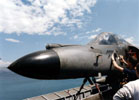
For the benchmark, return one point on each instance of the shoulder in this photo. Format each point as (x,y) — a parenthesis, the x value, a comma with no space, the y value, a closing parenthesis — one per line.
(132,83)
(127,91)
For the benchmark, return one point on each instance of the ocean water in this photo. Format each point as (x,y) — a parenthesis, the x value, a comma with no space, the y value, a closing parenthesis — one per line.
(16,87)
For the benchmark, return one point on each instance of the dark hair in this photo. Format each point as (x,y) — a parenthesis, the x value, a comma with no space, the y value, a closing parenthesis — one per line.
(132,61)
(137,67)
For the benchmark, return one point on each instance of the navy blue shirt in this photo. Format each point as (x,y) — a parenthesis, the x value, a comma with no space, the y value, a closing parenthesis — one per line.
(131,74)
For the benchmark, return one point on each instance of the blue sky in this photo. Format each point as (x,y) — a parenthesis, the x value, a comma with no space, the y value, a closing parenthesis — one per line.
(28,25)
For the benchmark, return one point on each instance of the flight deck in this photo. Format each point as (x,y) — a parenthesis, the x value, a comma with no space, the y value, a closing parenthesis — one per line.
(89,92)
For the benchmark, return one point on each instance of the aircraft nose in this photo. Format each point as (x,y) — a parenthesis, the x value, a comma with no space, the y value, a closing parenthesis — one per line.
(40,65)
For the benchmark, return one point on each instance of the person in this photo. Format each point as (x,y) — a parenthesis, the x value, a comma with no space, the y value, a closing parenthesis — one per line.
(129,71)
(129,91)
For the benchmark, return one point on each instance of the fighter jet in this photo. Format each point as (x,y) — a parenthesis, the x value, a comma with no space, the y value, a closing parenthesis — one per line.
(61,61)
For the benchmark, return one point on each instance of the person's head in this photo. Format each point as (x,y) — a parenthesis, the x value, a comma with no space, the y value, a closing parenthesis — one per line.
(131,62)
(137,70)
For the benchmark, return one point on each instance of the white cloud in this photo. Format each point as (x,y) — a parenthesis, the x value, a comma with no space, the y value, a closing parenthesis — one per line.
(79,37)
(12,40)
(117,1)
(87,34)
(94,31)
(92,36)
(75,37)
(4,63)
(57,31)
(132,41)
(97,30)
(40,16)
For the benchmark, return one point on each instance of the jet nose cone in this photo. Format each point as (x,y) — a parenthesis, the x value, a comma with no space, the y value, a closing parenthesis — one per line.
(40,65)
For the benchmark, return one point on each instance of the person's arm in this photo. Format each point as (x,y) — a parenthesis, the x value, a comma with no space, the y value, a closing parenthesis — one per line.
(131,73)
(116,65)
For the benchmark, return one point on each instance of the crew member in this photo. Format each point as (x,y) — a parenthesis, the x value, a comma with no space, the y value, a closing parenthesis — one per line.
(130,71)
(130,91)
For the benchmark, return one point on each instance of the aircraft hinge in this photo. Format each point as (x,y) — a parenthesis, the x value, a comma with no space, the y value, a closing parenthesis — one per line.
(97,57)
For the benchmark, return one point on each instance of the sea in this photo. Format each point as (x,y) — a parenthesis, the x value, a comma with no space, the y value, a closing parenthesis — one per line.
(17,87)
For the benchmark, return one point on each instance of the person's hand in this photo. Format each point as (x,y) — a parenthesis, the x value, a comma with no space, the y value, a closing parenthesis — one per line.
(121,58)
(116,66)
